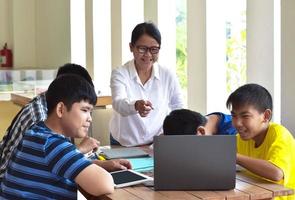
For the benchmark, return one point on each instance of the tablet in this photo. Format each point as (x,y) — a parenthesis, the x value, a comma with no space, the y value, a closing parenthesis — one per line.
(125,178)
(125,152)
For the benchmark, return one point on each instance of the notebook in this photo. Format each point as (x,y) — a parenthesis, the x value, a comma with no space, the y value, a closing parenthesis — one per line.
(190,162)
(144,164)
(130,152)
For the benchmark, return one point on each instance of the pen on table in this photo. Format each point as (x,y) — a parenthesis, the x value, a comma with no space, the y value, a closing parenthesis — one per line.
(100,157)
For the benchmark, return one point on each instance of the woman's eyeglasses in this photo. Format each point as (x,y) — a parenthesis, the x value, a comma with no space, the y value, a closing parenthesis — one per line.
(144,49)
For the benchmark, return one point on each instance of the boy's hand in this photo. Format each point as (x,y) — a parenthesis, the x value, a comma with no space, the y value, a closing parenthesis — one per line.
(113,165)
(88,144)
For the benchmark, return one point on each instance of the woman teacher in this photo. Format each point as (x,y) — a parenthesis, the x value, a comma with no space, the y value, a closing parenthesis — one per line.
(143,91)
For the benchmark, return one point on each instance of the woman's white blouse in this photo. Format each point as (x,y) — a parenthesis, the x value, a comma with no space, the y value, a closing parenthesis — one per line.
(162,90)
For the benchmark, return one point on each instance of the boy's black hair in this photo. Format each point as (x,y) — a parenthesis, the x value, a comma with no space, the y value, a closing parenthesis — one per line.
(145,28)
(71,68)
(69,89)
(183,122)
(251,95)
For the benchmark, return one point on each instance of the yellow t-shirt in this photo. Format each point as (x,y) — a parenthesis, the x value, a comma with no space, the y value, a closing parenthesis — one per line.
(278,148)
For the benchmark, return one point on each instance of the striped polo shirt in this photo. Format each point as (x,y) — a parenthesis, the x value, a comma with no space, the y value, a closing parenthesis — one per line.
(43,166)
(30,114)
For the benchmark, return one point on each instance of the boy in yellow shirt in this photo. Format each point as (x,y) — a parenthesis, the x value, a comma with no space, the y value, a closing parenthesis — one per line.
(264,148)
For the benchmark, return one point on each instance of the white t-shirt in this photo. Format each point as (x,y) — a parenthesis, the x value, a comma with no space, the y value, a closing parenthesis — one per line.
(162,90)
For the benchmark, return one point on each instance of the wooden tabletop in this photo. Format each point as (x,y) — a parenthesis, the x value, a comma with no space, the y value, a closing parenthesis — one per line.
(22,99)
(247,187)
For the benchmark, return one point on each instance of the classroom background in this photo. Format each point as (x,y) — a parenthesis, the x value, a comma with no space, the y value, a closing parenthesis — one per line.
(214,47)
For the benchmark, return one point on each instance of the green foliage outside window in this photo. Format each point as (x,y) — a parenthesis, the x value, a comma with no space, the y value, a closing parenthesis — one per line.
(235,52)
(236,62)
(181,56)
(236,56)
(181,44)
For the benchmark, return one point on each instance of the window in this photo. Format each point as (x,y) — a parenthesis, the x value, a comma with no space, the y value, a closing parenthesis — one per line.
(235,44)
(181,45)
(226,50)
(102,46)
(78,42)
(131,15)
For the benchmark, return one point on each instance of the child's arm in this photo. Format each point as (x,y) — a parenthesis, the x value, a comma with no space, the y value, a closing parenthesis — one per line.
(260,167)
(95,180)
(113,165)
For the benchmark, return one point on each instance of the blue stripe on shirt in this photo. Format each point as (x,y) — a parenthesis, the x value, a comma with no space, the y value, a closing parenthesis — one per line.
(24,183)
(52,175)
(61,162)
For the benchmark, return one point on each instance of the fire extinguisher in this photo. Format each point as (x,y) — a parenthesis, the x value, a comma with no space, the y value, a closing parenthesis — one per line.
(6,57)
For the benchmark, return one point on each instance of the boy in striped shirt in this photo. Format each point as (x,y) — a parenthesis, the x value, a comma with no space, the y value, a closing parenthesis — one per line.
(46,165)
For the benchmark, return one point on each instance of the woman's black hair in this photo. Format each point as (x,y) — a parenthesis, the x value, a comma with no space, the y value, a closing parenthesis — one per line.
(145,28)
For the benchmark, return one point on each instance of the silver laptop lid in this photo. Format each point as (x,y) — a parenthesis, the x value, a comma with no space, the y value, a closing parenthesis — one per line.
(190,162)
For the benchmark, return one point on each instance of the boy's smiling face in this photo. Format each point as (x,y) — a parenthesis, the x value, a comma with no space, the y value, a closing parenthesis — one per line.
(250,123)
(76,121)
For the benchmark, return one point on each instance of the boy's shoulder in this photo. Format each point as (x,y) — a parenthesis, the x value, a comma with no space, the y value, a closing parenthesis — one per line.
(277,128)
(39,100)
(278,131)
(41,132)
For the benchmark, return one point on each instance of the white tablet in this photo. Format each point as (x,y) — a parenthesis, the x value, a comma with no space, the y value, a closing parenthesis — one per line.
(129,177)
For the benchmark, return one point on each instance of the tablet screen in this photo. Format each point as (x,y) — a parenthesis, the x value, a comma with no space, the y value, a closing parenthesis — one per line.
(128,177)
(125,177)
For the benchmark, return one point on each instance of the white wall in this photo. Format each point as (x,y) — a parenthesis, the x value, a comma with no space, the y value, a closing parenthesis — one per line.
(263,49)
(196,60)
(38,32)
(52,33)
(100,127)
(151,11)
(5,23)
(24,33)
(116,30)
(260,43)
(288,65)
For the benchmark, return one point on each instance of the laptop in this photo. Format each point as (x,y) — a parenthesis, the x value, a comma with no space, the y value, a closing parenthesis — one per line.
(190,162)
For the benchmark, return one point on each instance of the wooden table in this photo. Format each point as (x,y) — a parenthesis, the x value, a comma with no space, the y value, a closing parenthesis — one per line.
(23,98)
(246,188)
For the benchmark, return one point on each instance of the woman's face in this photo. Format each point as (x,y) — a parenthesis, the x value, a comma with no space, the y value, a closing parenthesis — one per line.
(145,51)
